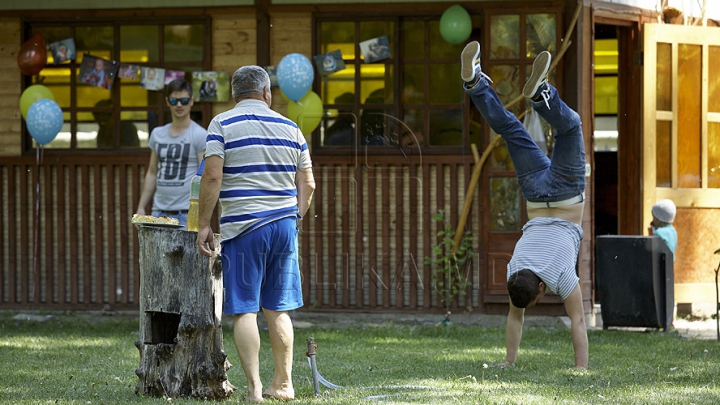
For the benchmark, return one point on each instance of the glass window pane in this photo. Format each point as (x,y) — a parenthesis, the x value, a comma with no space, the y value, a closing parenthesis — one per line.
(539,34)
(183,43)
(339,35)
(415,122)
(500,157)
(414,82)
(713,155)
(97,41)
(340,128)
(445,84)
(689,113)
(439,47)
(338,84)
(446,127)
(377,83)
(505,38)
(713,79)
(504,204)
(58,82)
(373,126)
(663,80)
(139,44)
(663,160)
(506,81)
(374,29)
(413,39)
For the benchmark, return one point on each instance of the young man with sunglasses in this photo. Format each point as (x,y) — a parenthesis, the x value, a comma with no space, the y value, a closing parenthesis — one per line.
(176,150)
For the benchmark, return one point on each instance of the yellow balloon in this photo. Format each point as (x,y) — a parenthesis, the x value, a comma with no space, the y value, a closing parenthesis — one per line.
(31,95)
(307,112)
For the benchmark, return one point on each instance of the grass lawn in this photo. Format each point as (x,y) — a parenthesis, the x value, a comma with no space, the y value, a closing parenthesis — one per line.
(74,359)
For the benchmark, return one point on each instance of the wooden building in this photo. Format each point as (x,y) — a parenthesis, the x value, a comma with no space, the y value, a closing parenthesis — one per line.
(632,69)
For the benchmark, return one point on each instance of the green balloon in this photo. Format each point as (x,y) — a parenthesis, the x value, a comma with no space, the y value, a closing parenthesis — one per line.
(307,112)
(455,25)
(31,95)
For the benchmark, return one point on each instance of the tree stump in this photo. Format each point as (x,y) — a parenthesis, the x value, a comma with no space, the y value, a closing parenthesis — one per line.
(181,298)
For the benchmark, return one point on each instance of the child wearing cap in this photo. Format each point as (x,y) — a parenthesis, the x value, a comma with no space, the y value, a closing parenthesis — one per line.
(663,216)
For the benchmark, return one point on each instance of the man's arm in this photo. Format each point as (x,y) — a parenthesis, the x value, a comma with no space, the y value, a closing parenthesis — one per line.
(574,309)
(305,183)
(513,334)
(209,192)
(150,183)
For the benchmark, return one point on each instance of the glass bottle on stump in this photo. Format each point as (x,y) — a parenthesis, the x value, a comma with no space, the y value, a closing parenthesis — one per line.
(192,220)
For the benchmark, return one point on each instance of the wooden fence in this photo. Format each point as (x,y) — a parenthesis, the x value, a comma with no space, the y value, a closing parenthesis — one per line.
(66,241)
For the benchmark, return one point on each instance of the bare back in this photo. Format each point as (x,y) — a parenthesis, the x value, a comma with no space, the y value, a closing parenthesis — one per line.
(572,213)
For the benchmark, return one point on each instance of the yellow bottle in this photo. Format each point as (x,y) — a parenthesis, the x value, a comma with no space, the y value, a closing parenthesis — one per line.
(192,219)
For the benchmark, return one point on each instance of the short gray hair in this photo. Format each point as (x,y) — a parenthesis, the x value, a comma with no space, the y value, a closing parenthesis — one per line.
(249,81)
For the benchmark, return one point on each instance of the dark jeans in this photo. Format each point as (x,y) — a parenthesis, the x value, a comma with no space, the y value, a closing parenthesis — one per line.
(540,178)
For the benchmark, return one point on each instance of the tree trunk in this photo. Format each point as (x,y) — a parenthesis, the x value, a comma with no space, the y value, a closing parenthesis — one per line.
(181,297)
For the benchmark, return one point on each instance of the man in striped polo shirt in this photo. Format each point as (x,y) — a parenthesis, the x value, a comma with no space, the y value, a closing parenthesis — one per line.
(546,255)
(257,164)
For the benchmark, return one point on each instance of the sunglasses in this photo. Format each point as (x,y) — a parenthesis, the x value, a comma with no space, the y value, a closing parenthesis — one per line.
(183,100)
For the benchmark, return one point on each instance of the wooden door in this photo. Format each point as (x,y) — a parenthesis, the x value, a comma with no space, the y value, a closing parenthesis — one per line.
(681,146)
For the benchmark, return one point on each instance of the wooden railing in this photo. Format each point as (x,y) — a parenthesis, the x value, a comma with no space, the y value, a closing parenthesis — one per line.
(362,244)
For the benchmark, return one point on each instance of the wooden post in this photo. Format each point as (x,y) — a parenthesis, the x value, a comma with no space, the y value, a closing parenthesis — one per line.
(181,298)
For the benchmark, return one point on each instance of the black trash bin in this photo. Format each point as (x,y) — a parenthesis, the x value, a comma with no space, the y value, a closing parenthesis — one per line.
(635,281)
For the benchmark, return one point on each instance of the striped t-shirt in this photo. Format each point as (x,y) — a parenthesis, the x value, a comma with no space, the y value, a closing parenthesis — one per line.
(262,151)
(549,248)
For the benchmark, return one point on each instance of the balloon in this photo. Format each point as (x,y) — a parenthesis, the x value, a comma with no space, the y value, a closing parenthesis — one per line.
(295,75)
(307,112)
(455,25)
(33,55)
(44,121)
(31,95)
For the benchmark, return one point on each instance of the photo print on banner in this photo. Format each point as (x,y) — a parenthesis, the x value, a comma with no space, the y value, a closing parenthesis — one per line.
(128,71)
(152,78)
(171,75)
(97,72)
(62,51)
(329,63)
(211,86)
(272,72)
(375,49)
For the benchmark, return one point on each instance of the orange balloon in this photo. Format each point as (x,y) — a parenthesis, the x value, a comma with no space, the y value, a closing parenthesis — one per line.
(33,55)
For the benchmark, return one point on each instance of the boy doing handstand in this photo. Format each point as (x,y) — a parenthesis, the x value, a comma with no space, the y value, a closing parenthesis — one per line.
(545,256)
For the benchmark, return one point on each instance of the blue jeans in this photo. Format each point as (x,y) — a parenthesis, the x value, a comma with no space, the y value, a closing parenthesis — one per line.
(541,179)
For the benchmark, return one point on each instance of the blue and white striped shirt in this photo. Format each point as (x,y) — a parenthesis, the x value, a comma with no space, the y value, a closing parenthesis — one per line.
(262,151)
(549,248)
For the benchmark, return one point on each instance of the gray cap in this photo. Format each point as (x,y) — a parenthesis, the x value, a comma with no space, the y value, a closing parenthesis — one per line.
(664,210)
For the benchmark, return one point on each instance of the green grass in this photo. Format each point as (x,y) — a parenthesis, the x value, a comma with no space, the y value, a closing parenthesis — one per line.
(74,359)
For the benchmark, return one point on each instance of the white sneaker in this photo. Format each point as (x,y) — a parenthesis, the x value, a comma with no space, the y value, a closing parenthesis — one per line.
(470,61)
(538,78)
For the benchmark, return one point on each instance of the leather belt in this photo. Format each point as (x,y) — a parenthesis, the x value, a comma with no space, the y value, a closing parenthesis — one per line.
(175,212)
(553,204)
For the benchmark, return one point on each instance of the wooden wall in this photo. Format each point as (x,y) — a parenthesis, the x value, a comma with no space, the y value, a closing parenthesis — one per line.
(10,77)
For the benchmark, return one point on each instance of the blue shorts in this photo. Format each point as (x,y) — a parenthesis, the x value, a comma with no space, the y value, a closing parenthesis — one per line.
(261,269)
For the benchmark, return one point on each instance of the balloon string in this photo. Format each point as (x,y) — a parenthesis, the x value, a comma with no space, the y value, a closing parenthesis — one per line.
(36,231)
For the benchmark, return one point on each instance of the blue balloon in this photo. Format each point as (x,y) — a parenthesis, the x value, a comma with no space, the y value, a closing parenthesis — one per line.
(295,75)
(44,120)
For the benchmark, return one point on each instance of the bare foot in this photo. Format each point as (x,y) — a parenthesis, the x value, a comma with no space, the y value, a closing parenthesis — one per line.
(285,393)
(249,398)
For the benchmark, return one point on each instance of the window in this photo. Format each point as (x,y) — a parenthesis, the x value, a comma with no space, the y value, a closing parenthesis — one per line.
(411,98)
(123,115)
(508,61)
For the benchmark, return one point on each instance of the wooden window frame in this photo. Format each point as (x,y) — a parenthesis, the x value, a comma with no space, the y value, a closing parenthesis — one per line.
(397,62)
(205,109)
